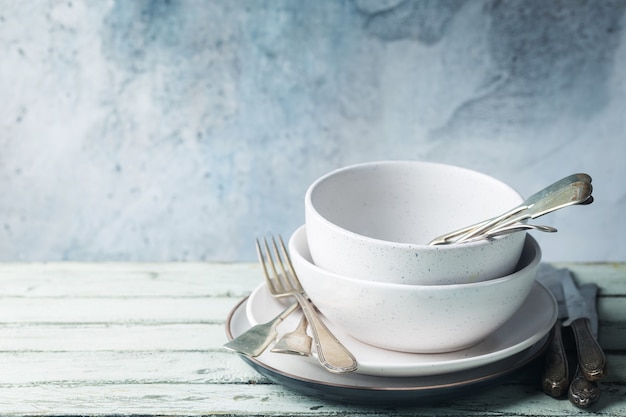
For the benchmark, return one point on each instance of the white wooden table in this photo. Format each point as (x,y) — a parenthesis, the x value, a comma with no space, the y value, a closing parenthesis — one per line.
(146,339)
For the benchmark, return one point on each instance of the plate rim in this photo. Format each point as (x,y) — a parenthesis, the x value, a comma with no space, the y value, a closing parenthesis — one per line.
(526,357)
(462,363)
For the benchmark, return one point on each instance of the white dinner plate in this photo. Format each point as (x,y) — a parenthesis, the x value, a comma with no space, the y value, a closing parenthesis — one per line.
(529,325)
(307,377)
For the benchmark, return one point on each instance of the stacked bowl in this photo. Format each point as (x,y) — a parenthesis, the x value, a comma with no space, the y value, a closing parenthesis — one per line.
(364,260)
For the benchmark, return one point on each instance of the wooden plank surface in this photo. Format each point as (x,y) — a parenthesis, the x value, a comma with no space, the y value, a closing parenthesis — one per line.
(146,339)
(255,400)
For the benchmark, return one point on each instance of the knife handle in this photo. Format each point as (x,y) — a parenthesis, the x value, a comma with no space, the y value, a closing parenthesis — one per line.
(582,393)
(591,358)
(555,379)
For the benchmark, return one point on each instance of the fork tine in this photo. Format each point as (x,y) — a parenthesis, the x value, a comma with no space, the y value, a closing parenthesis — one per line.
(262,258)
(270,260)
(292,276)
(278,281)
(283,278)
(259,255)
(272,276)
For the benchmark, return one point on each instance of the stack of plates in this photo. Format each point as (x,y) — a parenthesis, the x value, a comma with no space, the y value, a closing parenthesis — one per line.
(385,376)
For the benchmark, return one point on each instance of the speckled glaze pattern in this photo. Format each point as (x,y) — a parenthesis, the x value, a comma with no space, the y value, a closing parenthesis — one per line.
(415,318)
(373,221)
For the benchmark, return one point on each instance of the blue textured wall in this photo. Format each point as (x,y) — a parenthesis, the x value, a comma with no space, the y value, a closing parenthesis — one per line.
(181,130)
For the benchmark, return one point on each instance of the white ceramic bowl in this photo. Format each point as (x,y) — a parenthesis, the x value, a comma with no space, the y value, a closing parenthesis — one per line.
(373,221)
(415,318)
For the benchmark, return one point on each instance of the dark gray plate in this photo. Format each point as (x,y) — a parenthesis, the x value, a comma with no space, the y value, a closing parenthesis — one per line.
(305,377)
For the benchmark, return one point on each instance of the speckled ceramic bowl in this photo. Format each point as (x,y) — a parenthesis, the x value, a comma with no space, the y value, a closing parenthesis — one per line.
(373,221)
(415,318)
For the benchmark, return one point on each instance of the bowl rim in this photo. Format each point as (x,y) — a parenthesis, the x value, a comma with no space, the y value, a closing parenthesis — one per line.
(530,243)
(311,209)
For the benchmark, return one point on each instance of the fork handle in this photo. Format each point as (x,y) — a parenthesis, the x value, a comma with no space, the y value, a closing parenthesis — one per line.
(555,379)
(330,352)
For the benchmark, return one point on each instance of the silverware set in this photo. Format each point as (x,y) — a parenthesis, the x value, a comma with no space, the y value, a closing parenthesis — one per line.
(577,309)
(576,306)
(282,281)
(571,190)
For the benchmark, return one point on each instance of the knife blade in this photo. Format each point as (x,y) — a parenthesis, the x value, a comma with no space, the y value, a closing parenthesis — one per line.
(582,393)
(590,355)
(589,293)
(555,377)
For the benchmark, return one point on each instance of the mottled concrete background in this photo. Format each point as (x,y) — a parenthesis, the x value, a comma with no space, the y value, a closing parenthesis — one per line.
(181,130)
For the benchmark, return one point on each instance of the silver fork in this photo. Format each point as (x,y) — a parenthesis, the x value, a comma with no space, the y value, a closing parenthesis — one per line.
(282,282)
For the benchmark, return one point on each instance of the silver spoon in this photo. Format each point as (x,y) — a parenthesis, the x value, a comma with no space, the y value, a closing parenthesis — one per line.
(575,193)
(297,342)
(573,189)
(256,339)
